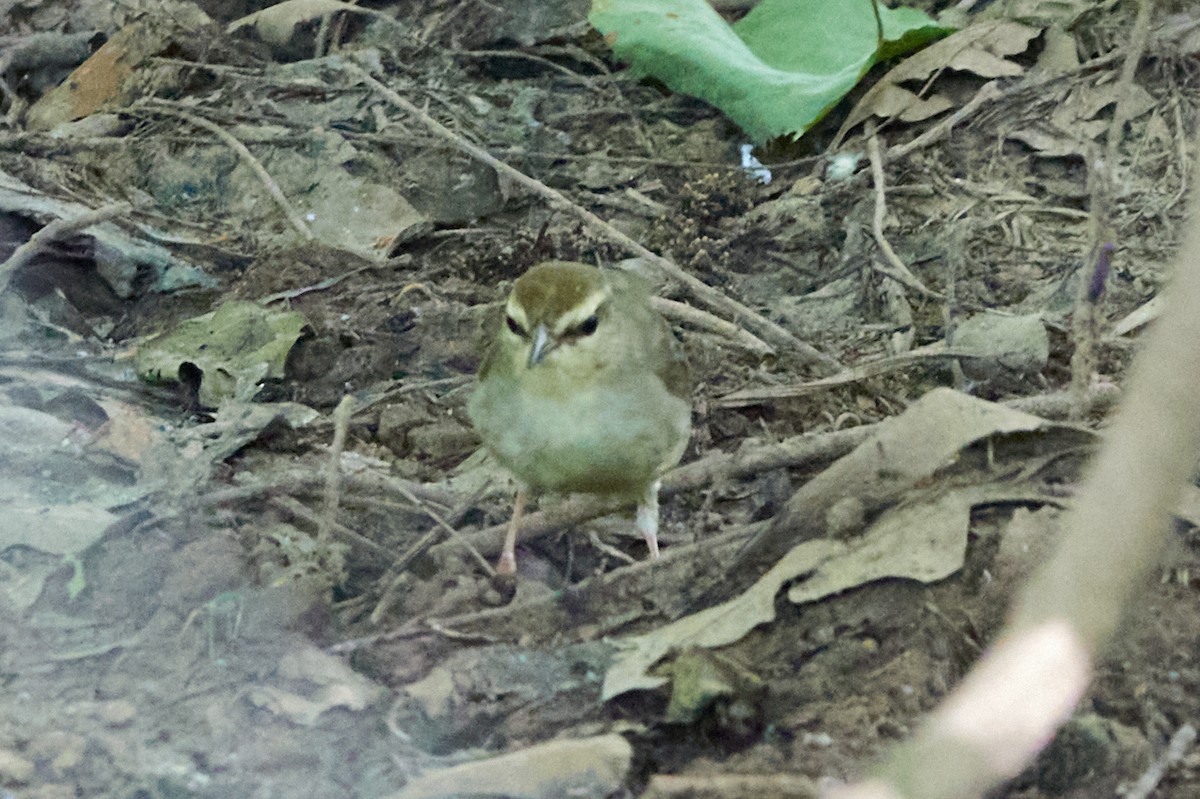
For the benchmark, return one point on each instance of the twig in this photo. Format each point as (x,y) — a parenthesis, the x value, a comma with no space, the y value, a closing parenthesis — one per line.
(333,468)
(248,158)
(714,467)
(897,271)
(804,450)
(703,320)
(56,230)
(327,283)
(575,511)
(297,508)
(608,549)
(628,578)
(304,479)
(421,545)
(730,786)
(987,93)
(1093,273)
(454,533)
(1100,398)
(1123,92)
(1181,741)
(773,334)
(569,74)
(794,452)
(1102,177)
(455,635)
(863,371)
(954,268)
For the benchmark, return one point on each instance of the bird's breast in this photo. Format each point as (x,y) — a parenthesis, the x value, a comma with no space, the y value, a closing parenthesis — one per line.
(599,439)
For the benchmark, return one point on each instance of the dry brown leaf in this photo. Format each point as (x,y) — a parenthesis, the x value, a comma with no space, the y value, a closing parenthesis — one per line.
(1063,13)
(276,24)
(588,767)
(129,432)
(982,49)
(1073,124)
(922,539)
(339,686)
(113,76)
(896,102)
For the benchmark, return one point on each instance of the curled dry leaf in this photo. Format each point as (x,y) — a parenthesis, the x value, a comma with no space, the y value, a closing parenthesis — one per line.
(909,532)
(982,49)
(276,24)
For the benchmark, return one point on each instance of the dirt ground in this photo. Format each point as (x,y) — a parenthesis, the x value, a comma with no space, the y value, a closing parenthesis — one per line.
(193,606)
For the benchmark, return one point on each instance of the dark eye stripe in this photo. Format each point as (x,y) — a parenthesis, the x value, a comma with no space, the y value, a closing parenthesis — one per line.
(588,326)
(514,326)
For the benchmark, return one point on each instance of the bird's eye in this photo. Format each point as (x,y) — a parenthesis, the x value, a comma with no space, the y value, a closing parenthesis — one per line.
(514,326)
(588,326)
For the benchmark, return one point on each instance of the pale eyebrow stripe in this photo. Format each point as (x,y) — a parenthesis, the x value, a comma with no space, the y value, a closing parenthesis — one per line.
(516,312)
(581,312)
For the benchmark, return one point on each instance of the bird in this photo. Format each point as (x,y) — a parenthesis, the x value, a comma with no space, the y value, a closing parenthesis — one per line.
(585,389)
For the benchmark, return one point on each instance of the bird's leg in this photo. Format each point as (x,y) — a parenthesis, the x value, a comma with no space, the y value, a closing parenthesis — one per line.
(507,565)
(647,517)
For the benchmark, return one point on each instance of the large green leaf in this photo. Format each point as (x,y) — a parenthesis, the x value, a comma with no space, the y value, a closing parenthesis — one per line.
(778,70)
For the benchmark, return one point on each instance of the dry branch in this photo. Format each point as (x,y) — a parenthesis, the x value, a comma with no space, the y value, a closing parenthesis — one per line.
(243,152)
(986,94)
(713,468)
(55,231)
(773,334)
(702,320)
(896,269)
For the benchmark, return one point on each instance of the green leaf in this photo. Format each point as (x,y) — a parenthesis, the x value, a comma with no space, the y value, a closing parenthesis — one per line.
(235,348)
(778,70)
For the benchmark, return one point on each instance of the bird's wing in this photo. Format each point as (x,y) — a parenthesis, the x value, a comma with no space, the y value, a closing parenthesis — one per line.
(670,362)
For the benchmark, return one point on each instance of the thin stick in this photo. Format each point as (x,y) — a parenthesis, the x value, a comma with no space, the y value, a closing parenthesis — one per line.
(333,469)
(1180,743)
(986,94)
(248,158)
(1096,265)
(703,320)
(730,786)
(1133,57)
(454,533)
(714,468)
(608,549)
(863,371)
(56,230)
(302,511)
(327,283)
(898,271)
(500,620)
(773,334)
(954,268)
(392,578)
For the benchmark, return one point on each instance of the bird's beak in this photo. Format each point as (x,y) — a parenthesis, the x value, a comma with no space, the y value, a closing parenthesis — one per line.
(541,345)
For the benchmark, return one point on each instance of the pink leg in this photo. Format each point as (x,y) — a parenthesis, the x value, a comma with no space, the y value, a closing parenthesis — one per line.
(647,517)
(507,565)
